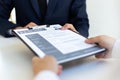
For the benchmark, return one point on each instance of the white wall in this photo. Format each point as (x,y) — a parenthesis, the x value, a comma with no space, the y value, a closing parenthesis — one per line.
(104,16)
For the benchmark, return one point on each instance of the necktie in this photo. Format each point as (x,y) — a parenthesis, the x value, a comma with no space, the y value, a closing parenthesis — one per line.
(43,8)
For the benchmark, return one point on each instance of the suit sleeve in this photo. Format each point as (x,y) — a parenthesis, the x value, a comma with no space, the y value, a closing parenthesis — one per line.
(46,75)
(79,17)
(6,7)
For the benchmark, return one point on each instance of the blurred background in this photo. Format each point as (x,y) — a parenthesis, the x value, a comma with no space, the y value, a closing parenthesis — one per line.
(104,17)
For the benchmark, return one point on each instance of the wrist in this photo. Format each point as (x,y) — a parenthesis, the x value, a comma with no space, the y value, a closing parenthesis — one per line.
(44,75)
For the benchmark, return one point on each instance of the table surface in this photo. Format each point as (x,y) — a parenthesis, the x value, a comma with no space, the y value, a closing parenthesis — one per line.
(15,64)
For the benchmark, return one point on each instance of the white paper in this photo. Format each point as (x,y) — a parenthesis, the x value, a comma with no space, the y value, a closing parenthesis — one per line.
(65,41)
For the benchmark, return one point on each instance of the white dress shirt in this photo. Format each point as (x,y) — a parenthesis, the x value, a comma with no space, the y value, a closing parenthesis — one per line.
(47,1)
(116,49)
(48,75)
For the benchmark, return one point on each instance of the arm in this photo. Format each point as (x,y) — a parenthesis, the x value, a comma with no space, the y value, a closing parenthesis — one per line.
(6,7)
(78,17)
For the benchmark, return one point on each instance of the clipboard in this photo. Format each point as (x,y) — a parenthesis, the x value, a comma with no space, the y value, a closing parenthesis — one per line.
(65,45)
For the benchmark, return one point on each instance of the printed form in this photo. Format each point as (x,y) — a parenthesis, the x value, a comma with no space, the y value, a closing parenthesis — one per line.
(65,41)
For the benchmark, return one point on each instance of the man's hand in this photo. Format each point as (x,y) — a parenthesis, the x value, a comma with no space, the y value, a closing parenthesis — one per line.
(31,24)
(105,42)
(46,63)
(69,26)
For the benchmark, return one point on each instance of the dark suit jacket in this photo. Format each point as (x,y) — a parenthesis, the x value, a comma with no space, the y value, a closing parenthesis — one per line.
(58,12)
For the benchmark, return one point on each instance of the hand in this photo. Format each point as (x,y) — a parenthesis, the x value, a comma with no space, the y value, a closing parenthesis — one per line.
(46,63)
(105,42)
(31,24)
(69,26)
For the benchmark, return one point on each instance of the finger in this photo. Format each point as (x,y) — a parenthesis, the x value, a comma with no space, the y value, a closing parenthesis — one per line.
(63,28)
(68,26)
(101,55)
(35,64)
(49,57)
(35,60)
(54,65)
(31,24)
(59,69)
(105,54)
(92,40)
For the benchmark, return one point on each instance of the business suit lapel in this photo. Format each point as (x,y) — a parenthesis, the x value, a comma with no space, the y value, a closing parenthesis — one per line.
(51,6)
(35,6)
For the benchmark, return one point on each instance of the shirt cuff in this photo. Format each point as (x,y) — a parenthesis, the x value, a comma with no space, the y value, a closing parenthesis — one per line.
(10,32)
(116,49)
(46,75)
